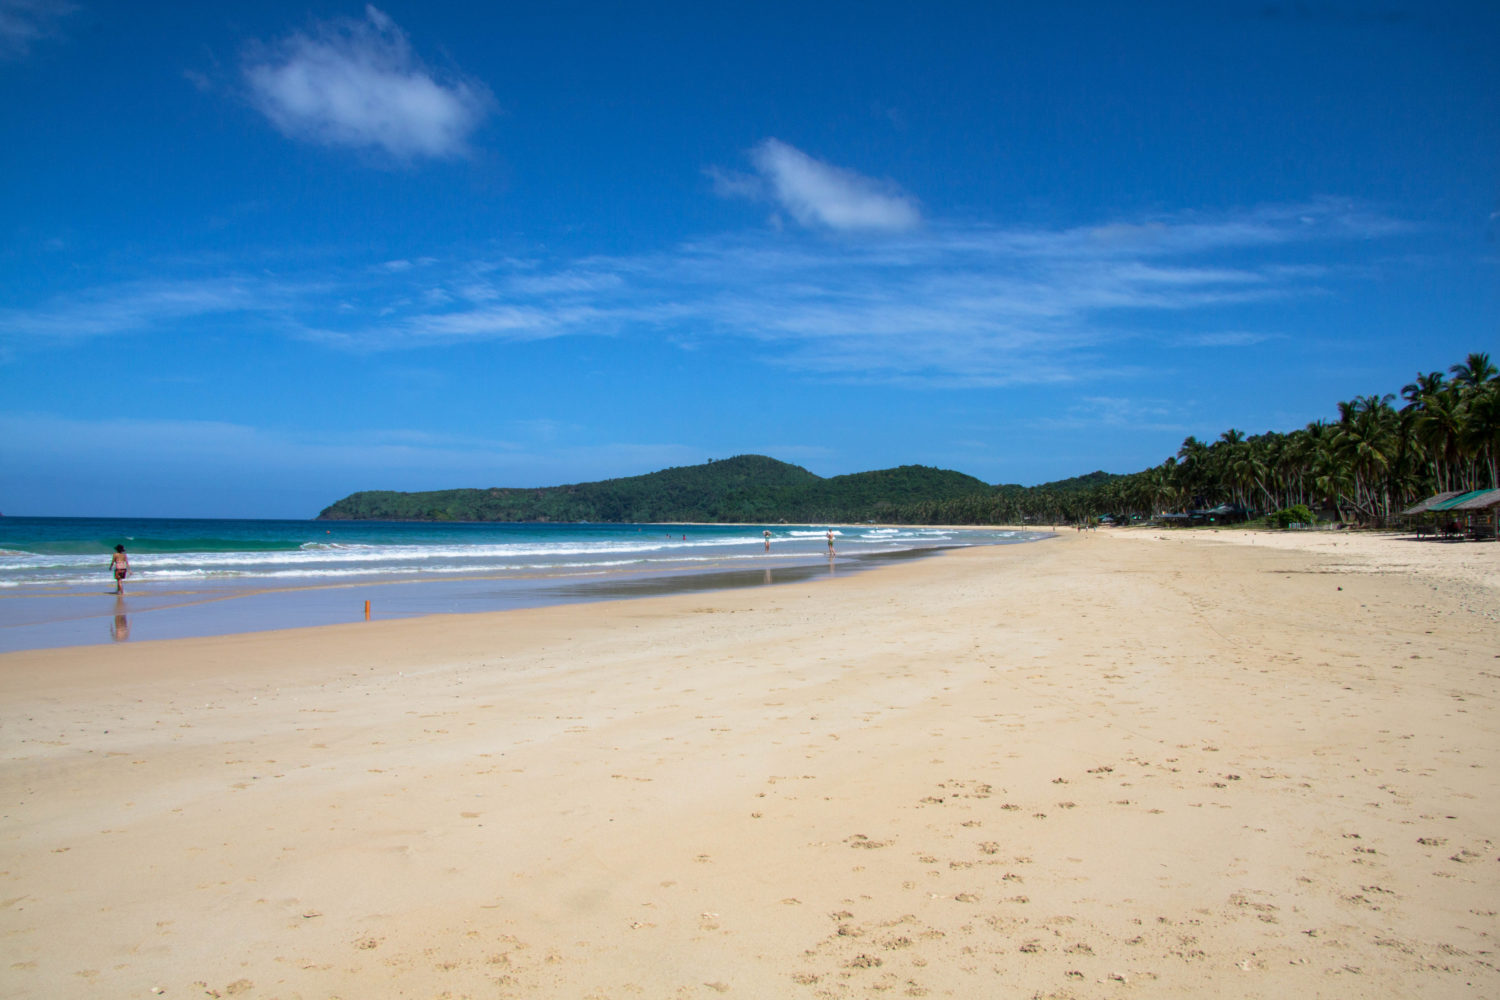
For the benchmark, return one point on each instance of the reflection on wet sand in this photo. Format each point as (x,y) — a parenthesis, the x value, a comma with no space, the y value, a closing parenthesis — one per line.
(177,612)
(119,629)
(719,580)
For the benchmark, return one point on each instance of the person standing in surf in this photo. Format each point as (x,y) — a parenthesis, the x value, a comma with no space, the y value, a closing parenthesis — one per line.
(120,564)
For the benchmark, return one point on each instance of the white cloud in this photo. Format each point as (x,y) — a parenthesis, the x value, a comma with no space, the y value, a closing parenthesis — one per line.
(356,83)
(733,184)
(1229,338)
(23,22)
(818,194)
(132,306)
(504,323)
(1094,412)
(944,305)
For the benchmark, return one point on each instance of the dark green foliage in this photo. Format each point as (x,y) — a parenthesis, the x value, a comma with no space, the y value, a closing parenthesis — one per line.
(1079,484)
(748,488)
(736,489)
(875,496)
(1366,466)
(1285,518)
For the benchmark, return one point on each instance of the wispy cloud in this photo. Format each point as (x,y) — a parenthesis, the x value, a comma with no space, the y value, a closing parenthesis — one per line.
(135,306)
(1229,338)
(357,83)
(25,22)
(942,305)
(819,195)
(1092,412)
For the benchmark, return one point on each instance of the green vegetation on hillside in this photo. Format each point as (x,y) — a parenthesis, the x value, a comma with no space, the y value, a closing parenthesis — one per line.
(750,488)
(1367,465)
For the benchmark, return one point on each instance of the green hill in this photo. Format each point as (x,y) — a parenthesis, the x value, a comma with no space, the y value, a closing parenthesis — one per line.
(749,488)
(875,496)
(1080,484)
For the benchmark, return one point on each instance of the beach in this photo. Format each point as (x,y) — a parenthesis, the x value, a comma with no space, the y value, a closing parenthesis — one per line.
(1114,763)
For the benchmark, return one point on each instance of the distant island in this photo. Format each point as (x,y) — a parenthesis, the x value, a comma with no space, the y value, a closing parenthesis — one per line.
(747,488)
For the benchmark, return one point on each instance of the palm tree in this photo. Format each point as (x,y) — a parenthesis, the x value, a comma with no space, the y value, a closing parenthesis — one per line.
(1269,463)
(1475,371)
(1365,440)
(1193,470)
(1437,427)
(1236,466)
(1473,432)
(1479,435)
(1425,385)
(1370,461)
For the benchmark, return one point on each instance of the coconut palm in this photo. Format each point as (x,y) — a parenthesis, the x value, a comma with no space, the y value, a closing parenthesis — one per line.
(1479,436)
(1425,385)
(1366,440)
(1475,371)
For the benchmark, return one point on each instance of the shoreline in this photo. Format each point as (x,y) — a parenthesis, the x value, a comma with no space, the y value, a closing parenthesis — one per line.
(52,599)
(1096,766)
(164,615)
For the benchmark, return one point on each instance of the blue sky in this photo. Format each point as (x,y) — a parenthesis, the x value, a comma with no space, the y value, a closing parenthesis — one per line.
(254,257)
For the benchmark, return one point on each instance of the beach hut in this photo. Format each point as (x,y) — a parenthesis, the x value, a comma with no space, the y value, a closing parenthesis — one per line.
(1227,513)
(1421,513)
(1457,514)
(1479,510)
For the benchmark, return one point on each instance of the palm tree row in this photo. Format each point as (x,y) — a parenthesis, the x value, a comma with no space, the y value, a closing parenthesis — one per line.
(1367,465)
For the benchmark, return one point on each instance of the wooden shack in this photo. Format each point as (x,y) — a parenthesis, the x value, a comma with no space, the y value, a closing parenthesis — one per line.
(1456,514)
(1479,511)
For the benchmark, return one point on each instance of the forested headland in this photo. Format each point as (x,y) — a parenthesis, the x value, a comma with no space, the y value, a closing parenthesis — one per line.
(1377,457)
(746,488)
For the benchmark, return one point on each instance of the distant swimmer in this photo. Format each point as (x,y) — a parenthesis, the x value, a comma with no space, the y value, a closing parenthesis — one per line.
(120,564)
(767,533)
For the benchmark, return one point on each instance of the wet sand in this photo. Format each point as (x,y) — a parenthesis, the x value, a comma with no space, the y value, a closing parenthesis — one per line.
(72,618)
(1108,764)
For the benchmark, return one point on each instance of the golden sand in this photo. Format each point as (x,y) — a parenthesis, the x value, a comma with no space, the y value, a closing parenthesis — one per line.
(1112,764)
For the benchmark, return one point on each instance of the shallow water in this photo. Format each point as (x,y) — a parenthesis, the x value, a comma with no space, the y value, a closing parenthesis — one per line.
(213,577)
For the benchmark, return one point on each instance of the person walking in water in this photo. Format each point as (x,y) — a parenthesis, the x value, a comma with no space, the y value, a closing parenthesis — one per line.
(120,564)
(830,541)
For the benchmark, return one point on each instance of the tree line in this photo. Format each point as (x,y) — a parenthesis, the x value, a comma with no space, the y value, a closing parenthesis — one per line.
(1377,458)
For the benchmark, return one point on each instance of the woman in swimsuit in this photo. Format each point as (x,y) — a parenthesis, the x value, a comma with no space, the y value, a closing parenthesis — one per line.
(120,563)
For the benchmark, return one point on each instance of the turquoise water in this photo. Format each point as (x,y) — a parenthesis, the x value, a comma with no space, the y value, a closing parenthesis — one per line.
(206,577)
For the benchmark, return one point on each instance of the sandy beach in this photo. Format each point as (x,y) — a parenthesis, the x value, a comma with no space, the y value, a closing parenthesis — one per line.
(1125,763)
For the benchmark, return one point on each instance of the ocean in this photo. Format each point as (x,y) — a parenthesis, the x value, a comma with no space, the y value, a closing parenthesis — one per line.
(209,577)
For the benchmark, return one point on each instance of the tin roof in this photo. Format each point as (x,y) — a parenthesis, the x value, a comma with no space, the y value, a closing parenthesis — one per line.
(1431,502)
(1478,500)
